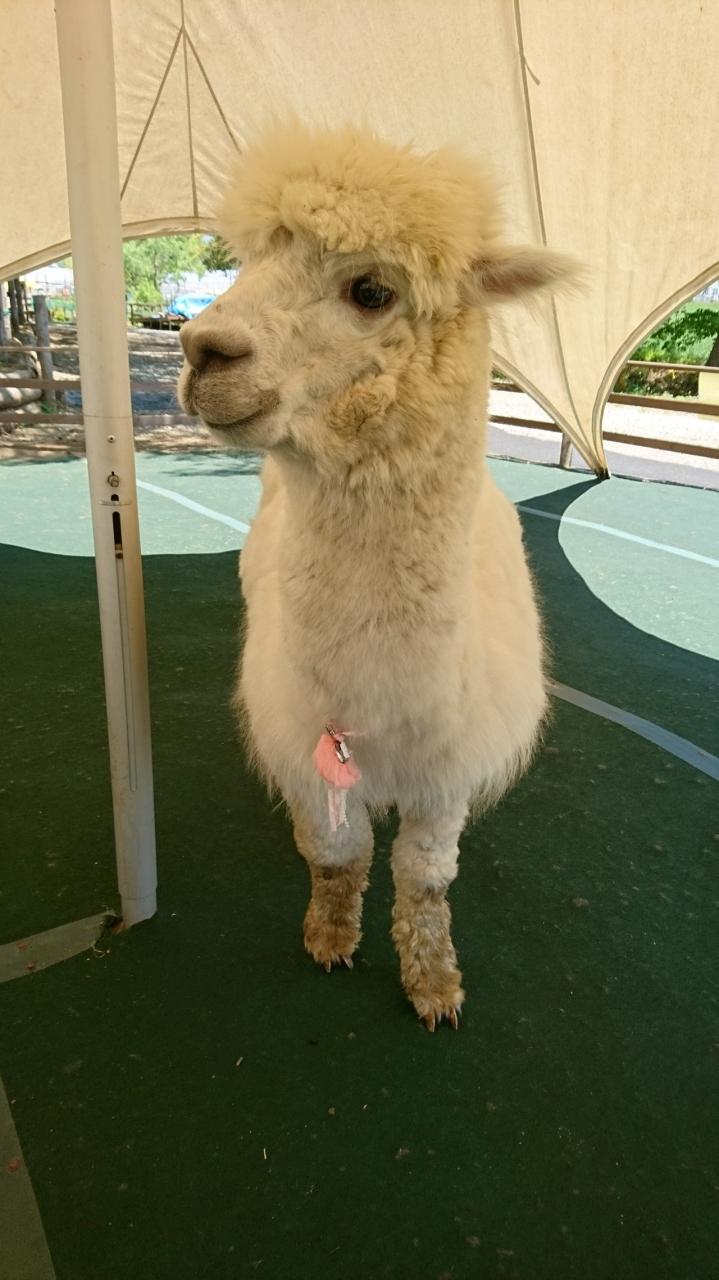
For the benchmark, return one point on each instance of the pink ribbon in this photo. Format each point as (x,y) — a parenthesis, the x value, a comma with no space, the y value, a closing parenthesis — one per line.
(333,761)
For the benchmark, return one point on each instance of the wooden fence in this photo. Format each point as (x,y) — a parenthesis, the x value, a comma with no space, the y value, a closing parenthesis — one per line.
(649,402)
(138,315)
(52,386)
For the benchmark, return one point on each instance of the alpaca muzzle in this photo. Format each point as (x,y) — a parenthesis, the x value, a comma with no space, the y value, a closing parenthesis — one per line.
(223,395)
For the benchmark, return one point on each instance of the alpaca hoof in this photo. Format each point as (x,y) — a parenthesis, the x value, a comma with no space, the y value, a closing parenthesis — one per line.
(331,937)
(332,947)
(338,961)
(328,956)
(436,995)
(432,1019)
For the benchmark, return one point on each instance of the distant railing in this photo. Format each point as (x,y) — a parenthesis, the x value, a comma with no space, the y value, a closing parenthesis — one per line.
(143,317)
(52,383)
(62,311)
(672,404)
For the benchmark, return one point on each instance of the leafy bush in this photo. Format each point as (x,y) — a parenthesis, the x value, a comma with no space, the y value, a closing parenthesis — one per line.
(689,336)
(62,310)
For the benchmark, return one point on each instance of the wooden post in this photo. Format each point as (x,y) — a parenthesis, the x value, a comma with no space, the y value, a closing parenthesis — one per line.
(565,452)
(42,333)
(20,302)
(3,330)
(14,314)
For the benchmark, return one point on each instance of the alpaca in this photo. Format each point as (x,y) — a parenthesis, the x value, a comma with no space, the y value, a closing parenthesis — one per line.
(388,595)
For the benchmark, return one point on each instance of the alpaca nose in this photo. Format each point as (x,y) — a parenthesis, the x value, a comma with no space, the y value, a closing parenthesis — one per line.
(204,338)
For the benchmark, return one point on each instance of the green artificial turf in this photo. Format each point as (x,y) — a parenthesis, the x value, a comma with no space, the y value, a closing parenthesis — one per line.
(196,1098)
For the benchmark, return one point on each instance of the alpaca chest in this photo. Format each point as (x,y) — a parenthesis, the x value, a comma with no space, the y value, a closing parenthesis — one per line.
(370,635)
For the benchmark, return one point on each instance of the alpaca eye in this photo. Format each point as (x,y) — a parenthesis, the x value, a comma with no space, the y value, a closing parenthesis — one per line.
(371,294)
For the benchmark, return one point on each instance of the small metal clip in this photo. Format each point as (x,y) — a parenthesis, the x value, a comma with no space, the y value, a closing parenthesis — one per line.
(342,751)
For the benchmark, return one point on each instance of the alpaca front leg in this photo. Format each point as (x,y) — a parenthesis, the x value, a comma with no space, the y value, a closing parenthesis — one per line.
(339,866)
(424,864)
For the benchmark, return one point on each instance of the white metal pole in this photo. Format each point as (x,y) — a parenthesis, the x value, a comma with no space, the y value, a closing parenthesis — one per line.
(87,75)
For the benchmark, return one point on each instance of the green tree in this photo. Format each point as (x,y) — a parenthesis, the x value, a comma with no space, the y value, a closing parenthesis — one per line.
(217,255)
(157,259)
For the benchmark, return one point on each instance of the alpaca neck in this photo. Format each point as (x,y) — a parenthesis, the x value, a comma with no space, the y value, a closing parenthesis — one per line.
(403,495)
(374,586)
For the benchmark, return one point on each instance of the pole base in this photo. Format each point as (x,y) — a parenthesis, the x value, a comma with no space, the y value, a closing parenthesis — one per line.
(136,909)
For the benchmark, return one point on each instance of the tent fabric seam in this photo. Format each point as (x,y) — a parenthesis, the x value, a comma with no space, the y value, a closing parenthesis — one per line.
(526,383)
(213,95)
(542,223)
(153,109)
(188,104)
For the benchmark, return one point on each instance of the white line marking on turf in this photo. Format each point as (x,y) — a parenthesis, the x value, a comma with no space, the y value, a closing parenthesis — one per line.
(241,527)
(684,750)
(619,533)
(195,506)
(23,1243)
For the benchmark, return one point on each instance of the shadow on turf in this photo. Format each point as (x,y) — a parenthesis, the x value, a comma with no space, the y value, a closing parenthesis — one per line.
(56,757)
(596,650)
(219,1107)
(239,464)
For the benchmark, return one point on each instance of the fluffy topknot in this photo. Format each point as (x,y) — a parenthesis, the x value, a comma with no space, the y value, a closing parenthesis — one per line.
(353,191)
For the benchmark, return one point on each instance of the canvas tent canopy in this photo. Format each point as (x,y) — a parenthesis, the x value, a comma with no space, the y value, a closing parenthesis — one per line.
(597,116)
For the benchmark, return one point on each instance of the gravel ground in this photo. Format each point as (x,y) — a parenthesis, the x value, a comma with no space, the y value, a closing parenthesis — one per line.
(637,461)
(154,356)
(634,420)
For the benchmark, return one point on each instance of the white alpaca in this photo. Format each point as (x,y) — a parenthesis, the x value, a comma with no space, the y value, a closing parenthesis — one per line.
(386,584)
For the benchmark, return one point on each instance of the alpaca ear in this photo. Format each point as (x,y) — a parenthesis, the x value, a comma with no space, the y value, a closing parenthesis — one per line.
(508,272)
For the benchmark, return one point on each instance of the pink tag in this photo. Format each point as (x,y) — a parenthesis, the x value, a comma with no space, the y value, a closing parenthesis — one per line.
(333,761)
(335,772)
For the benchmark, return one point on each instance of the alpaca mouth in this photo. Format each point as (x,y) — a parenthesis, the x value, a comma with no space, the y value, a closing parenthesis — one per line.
(268,401)
(203,397)
(236,422)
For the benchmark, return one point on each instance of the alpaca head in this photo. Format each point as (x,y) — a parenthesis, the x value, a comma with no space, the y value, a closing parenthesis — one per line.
(361,263)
